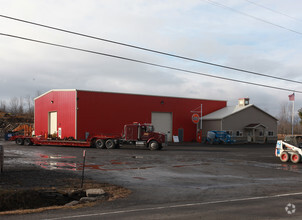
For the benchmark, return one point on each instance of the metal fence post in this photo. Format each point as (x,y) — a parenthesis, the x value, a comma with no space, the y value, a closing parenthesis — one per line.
(84,157)
(1,158)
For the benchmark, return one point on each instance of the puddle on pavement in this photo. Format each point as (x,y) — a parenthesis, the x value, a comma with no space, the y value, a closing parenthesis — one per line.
(119,165)
(79,166)
(187,165)
(113,165)
(55,157)
(285,167)
(116,162)
(58,165)
(122,169)
(139,178)
(290,167)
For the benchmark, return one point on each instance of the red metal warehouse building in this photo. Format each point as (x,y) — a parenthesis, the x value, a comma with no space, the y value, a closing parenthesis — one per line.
(78,113)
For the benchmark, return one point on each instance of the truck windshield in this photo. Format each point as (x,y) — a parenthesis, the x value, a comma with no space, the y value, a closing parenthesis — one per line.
(149,128)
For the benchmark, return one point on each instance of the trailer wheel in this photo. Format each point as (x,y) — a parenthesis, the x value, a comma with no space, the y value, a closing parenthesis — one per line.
(284,157)
(153,145)
(100,144)
(20,141)
(27,142)
(295,158)
(110,144)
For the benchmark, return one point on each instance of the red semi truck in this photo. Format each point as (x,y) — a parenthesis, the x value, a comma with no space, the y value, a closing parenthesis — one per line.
(136,133)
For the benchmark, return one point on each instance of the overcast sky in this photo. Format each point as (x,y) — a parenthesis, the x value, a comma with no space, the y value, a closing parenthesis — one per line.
(195,29)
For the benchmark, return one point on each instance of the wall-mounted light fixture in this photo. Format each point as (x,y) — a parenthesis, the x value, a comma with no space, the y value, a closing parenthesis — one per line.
(51,102)
(162,102)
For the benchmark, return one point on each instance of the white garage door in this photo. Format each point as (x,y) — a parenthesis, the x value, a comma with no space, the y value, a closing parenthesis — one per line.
(162,122)
(53,121)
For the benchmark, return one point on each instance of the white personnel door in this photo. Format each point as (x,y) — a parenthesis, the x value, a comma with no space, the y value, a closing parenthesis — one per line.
(53,122)
(162,122)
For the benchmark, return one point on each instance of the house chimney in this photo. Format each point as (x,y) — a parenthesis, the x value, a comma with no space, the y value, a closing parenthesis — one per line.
(243,101)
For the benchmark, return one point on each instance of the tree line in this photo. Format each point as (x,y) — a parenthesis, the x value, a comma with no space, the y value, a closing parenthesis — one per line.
(285,120)
(25,105)
(18,105)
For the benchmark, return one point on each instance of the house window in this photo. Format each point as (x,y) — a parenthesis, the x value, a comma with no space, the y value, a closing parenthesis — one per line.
(229,132)
(239,133)
(270,133)
(260,133)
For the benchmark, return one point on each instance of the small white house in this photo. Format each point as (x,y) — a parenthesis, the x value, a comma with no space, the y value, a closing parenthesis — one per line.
(244,122)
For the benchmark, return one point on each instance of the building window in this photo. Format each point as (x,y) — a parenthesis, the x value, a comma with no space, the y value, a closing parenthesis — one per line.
(260,133)
(229,132)
(239,133)
(270,133)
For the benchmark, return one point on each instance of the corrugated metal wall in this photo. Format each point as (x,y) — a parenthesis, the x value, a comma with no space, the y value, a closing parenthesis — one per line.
(62,102)
(100,112)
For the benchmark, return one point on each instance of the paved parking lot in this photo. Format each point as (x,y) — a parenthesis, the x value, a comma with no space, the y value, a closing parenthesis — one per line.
(181,181)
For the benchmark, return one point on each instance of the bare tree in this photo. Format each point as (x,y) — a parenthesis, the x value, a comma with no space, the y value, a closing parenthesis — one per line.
(14,105)
(29,103)
(3,106)
(284,123)
(285,120)
(21,106)
(297,124)
(300,115)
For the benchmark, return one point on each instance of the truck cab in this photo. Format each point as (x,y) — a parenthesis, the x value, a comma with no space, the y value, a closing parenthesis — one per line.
(143,135)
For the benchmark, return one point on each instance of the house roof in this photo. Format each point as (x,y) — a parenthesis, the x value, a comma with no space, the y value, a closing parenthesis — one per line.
(225,112)
(253,126)
(230,110)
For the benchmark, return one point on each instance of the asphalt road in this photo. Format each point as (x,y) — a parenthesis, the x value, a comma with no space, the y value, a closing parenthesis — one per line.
(185,181)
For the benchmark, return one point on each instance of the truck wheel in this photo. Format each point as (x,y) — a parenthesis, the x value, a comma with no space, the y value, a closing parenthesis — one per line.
(19,141)
(284,157)
(110,144)
(295,158)
(100,144)
(153,145)
(27,142)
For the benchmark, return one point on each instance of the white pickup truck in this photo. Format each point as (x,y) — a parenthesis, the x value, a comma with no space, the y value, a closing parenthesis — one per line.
(290,148)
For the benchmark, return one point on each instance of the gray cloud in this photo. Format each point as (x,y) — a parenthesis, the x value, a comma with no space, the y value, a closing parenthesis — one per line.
(191,28)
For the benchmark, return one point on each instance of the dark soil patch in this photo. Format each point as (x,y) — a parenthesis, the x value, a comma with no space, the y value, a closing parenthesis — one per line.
(31,199)
(31,188)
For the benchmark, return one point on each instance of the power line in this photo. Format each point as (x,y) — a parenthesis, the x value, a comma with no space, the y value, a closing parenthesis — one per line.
(151,50)
(273,10)
(148,63)
(254,17)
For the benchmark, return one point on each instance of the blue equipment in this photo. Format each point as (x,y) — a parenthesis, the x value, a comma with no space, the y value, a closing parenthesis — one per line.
(218,137)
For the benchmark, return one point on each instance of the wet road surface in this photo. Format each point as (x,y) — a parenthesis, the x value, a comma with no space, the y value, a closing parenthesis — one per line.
(186,181)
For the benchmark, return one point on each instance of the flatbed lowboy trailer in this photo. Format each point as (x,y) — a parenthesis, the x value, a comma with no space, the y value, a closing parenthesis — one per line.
(138,134)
